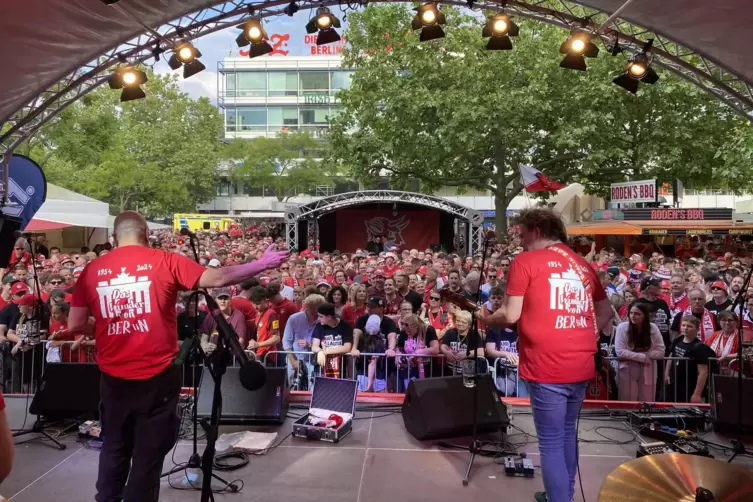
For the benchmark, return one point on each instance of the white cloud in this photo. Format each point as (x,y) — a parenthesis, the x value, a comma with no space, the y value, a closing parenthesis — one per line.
(203,84)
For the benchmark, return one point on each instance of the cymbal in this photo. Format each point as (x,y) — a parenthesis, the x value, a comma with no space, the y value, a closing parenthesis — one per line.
(674,477)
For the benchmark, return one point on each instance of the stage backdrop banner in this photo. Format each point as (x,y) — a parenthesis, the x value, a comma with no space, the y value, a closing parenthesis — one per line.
(408,230)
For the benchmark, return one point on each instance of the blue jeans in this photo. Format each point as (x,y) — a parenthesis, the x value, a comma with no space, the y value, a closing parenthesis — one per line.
(555,414)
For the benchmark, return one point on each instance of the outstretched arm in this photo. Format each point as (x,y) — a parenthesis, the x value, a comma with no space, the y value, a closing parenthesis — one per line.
(226,276)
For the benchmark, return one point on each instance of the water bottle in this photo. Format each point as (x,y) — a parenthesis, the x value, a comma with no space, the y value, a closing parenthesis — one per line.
(468,367)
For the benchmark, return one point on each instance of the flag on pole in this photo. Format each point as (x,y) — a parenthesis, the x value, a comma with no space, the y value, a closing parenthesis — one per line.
(534,180)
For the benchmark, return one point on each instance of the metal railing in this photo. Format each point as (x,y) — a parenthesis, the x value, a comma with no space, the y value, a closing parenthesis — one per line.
(668,379)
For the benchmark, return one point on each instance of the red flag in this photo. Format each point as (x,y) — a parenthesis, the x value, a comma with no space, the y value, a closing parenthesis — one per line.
(535,181)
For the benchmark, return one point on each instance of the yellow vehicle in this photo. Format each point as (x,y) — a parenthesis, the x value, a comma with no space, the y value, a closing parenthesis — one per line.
(202,222)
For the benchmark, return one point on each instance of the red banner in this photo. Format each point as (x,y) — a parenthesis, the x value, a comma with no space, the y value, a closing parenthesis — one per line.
(408,230)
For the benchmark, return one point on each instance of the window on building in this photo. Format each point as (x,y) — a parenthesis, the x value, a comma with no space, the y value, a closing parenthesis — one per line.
(231,119)
(230,85)
(252,118)
(253,190)
(315,81)
(314,116)
(223,188)
(283,118)
(252,83)
(268,191)
(283,83)
(340,80)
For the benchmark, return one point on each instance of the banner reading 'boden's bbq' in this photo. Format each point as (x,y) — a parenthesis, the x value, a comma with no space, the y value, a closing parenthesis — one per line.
(407,230)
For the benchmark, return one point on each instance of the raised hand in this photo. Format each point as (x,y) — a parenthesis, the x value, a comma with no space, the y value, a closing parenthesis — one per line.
(273,258)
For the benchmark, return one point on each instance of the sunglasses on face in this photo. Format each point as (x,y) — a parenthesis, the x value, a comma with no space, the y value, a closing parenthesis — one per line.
(717,289)
(435,298)
(56,283)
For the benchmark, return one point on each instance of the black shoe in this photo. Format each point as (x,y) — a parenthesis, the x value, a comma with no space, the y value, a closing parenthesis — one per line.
(540,497)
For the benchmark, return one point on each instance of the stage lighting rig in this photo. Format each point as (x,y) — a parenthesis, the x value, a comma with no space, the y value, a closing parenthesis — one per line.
(187,56)
(429,19)
(252,33)
(291,9)
(130,79)
(638,70)
(498,29)
(325,23)
(577,48)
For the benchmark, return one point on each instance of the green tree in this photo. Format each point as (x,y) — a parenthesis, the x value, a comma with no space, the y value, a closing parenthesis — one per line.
(289,164)
(450,113)
(159,154)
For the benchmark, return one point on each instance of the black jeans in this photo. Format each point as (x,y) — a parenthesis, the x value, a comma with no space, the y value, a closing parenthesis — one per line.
(140,425)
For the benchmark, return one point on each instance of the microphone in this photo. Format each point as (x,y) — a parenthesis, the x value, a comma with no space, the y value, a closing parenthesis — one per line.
(186,232)
(252,374)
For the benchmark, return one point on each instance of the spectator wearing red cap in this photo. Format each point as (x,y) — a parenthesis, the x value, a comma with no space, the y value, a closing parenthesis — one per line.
(26,330)
(376,283)
(720,299)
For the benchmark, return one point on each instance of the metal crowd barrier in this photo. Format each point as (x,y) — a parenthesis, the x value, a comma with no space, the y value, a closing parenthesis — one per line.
(623,380)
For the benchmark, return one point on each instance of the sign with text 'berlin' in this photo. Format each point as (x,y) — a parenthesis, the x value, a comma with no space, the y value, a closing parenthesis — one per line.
(634,191)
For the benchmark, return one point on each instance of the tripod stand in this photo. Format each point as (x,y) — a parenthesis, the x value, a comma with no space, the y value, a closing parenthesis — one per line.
(738,445)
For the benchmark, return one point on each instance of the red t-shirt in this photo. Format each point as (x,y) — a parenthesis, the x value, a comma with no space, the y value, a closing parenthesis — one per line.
(350,313)
(269,323)
(556,338)
(246,307)
(284,310)
(293,282)
(63,336)
(4,303)
(2,402)
(131,292)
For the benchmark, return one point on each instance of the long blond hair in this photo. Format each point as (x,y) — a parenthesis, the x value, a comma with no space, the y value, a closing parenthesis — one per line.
(353,294)
(421,330)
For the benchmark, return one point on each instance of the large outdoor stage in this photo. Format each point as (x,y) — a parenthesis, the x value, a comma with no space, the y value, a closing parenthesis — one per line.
(407,220)
(378,462)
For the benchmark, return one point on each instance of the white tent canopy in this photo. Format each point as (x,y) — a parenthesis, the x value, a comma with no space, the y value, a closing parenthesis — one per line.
(65,208)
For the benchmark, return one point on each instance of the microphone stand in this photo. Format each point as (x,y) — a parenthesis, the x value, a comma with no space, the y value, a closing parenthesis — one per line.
(197,356)
(473,344)
(37,313)
(738,444)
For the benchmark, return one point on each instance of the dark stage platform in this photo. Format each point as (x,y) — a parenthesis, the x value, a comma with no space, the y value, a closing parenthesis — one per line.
(378,462)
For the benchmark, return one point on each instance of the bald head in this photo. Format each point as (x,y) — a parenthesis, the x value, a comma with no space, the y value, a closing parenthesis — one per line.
(131,228)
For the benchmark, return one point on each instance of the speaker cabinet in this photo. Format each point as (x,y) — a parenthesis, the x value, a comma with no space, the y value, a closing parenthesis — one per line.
(67,390)
(436,408)
(724,406)
(268,405)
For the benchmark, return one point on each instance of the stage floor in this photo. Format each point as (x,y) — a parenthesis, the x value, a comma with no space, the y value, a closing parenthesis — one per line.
(378,462)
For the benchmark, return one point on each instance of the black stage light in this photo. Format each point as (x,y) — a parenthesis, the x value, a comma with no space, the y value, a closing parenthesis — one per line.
(291,8)
(638,70)
(325,23)
(429,19)
(109,2)
(498,29)
(187,56)
(130,79)
(252,33)
(577,48)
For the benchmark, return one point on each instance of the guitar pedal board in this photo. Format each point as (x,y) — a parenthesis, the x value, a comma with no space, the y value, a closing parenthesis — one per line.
(519,466)
(656,448)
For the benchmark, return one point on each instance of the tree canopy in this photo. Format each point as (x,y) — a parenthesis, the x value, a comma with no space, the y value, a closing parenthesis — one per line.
(158,155)
(449,112)
(289,163)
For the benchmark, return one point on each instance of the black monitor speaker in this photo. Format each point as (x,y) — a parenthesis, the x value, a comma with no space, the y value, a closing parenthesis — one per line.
(725,402)
(67,391)
(245,407)
(436,408)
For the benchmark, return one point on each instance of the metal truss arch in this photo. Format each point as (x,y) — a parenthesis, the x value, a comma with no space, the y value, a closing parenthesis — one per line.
(688,64)
(313,210)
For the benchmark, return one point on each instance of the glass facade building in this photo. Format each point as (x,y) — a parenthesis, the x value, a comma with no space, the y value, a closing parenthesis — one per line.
(268,95)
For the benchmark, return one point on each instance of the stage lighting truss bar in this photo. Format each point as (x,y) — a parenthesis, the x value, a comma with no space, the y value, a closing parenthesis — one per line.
(328,204)
(688,64)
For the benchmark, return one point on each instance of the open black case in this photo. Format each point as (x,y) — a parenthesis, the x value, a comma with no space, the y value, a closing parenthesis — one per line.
(330,395)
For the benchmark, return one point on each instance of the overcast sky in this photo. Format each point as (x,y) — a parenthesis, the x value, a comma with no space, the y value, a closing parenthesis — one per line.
(221,44)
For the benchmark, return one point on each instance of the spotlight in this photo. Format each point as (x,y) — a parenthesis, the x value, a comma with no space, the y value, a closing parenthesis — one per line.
(325,23)
(291,8)
(130,79)
(638,70)
(187,56)
(498,29)
(252,33)
(577,48)
(429,19)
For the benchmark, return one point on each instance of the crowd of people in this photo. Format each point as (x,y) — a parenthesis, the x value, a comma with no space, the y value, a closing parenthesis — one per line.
(335,313)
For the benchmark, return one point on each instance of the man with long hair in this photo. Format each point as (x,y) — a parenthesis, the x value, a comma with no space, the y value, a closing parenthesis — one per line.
(555,297)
